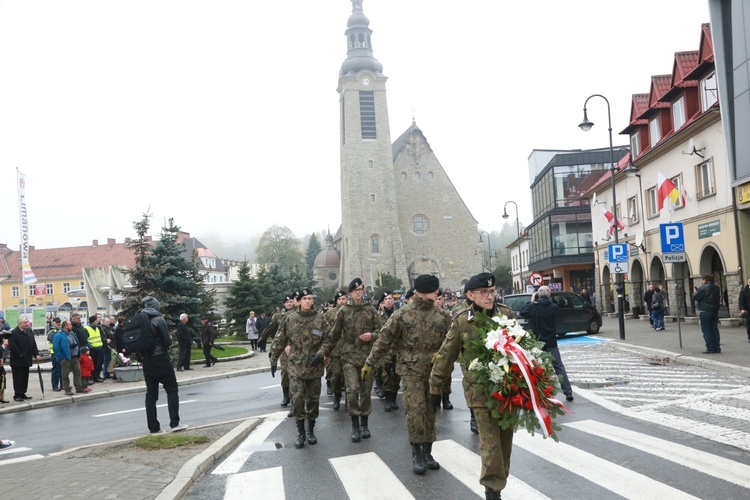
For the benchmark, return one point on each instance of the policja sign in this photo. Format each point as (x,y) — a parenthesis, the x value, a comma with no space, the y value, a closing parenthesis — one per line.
(672,242)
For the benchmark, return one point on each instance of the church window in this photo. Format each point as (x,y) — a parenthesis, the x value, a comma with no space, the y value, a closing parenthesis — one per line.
(351,41)
(420,224)
(417,175)
(403,176)
(375,243)
(367,114)
(370,163)
(372,198)
(430,175)
(332,276)
(361,38)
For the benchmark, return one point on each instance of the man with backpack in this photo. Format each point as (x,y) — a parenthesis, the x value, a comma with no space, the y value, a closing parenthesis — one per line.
(157,369)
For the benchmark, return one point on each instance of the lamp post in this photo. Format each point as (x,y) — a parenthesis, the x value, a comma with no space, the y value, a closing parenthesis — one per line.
(518,239)
(489,249)
(586,125)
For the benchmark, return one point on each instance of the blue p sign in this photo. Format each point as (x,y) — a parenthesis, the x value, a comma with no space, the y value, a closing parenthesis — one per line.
(672,237)
(618,252)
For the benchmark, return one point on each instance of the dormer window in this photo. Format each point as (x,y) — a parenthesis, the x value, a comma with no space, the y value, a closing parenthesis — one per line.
(654,130)
(635,144)
(678,113)
(709,92)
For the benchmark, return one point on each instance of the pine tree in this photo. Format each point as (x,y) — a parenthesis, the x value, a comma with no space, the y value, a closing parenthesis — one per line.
(144,276)
(243,296)
(313,249)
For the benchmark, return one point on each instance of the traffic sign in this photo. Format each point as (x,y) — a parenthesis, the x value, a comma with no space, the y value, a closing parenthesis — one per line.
(672,237)
(618,252)
(620,268)
(536,279)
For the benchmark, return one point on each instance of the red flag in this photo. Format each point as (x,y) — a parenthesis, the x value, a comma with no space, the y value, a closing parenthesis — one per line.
(611,219)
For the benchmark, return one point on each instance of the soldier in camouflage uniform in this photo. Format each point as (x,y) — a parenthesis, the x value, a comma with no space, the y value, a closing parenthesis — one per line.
(391,380)
(415,332)
(270,332)
(495,444)
(439,304)
(303,335)
(334,368)
(353,333)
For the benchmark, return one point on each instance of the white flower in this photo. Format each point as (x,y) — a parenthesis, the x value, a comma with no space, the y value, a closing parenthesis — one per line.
(498,370)
(475,364)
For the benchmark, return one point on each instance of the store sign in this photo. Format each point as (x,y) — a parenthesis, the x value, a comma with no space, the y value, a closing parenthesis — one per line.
(743,193)
(709,229)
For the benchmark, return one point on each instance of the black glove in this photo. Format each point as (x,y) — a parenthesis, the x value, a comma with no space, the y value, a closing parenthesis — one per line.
(315,360)
(436,399)
(390,369)
(274,367)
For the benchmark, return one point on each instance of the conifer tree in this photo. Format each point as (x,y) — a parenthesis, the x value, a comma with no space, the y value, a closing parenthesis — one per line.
(144,276)
(313,249)
(244,296)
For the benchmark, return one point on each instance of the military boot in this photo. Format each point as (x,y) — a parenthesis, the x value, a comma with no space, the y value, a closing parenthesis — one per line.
(356,436)
(379,390)
(473,423)
(311,439)
(329,389)
(337,401)
(429,462)
(290,414)
(447,402)
(285,402)
(417,459)
(364,431)
(388,401)
(300,442)
(394,406)
(492,495)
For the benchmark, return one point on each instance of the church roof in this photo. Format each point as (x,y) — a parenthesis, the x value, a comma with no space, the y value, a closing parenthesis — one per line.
(399,143)
(359,45)
(329,256)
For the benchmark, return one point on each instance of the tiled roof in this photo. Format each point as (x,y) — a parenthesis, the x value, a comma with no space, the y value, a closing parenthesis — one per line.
(52,263)
(660,85)
(705,53)
(684,64)
(638,106)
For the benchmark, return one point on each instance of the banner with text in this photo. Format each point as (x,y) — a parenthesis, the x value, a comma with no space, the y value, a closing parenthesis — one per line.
(28,274)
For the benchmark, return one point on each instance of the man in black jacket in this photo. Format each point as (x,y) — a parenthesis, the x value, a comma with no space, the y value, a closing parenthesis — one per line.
(22,347)
(157,369)
(708,299)
(647,298)
(745,306)
(540,313)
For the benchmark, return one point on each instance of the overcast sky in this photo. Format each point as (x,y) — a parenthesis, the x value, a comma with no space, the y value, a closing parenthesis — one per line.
(224,114)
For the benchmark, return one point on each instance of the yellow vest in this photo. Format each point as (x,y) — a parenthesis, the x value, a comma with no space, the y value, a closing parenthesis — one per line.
(49,342)
(95,338)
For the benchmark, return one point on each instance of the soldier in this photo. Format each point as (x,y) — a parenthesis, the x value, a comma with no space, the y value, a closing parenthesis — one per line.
(415,332)
(391,380)
(334,368)
(270,332)
(303,336)
(353,333)
(495,444)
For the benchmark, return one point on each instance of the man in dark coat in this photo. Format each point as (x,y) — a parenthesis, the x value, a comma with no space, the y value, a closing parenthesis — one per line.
(79,329)
(647,298)
(22,347)
(745,306)
(541,313)
(208,335)
(708,299)
(261,324)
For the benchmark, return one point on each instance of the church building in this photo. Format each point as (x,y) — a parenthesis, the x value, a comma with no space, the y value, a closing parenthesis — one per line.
(400,212)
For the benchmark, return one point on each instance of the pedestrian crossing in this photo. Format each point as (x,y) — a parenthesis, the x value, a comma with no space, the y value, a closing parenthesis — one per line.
(17,454)
(575,455)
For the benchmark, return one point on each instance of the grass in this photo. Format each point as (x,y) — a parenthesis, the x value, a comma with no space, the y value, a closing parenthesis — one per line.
(168,441)
(230,351)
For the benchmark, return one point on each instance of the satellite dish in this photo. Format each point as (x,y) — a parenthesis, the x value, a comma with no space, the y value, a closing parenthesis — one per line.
(593,199)
(691,146)
(639,239)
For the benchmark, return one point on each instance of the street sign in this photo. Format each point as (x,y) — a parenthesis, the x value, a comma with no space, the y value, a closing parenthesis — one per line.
(672,237)
(618,252)
(620,268)
(672,242)
(536,279)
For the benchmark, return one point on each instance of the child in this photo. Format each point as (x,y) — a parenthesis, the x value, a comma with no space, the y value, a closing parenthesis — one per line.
(87,366)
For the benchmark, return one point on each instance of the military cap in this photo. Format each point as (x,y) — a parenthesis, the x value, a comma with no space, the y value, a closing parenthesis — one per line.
(304,292)
(356,283)
(409,294)
(338,295)
(481,280)
(289,296)
(426,283)
(383,297)
(56,320)
(296,294)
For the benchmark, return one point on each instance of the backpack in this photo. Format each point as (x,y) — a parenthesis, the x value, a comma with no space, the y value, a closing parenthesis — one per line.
(138,335)
(655,304)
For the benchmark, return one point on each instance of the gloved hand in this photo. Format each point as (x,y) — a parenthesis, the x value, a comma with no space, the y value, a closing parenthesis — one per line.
(366,372)
(390,369)
(274,367)
(433,358)
(315,360)
(435,399)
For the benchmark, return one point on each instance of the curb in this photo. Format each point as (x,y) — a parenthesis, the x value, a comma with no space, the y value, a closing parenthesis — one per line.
(196,466)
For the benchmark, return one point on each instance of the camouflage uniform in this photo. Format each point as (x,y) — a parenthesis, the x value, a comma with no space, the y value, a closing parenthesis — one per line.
(495,444)
(415,332)
(334,368)
(352,320)
(270,331)
(307,334)
(391,381)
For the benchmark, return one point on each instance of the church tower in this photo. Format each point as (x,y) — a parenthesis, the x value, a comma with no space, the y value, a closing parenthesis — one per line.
(370,235)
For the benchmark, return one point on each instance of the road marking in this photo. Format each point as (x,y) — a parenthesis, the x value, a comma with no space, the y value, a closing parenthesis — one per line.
(234,462)
(718,409)
(267,484)
(140,409)
(707,463)
(27,458)
(613,477)
(352,468)
(14,450)
(269,387)
(465,465)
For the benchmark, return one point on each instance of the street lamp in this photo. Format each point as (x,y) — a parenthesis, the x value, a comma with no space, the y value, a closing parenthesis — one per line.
(518,234)
(586,125)
(489,249)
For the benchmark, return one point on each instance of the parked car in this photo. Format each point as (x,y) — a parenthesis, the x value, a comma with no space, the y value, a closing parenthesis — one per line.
(573,313)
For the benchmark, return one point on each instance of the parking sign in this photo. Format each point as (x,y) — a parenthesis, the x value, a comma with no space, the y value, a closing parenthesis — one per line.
(618,252)
(672,242)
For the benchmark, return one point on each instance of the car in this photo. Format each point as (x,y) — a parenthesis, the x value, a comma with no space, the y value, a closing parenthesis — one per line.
(573,313)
